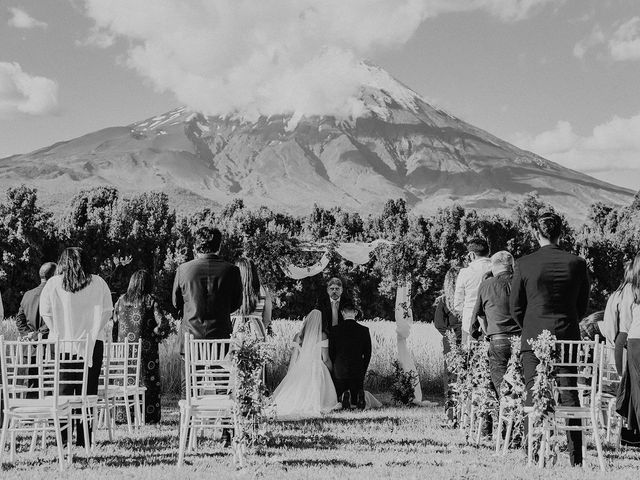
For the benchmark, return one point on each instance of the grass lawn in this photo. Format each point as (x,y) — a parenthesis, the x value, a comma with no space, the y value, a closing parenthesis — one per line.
(387,443)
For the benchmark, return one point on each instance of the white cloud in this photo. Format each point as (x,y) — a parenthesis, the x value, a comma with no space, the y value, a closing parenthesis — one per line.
(23,93)
(97,38)
(270,56)
(595,38)
(613,145)
(625,43)
(21,19)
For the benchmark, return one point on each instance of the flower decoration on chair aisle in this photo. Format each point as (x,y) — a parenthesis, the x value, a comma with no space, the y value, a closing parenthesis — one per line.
(249,357)
(457,361)
(543,400)
(512,392)
(483,398)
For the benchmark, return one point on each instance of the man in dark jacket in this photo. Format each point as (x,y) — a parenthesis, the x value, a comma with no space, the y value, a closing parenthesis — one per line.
(350,353)
(330,305)
(207,289)
(493,316)
(28,320)
(550,291)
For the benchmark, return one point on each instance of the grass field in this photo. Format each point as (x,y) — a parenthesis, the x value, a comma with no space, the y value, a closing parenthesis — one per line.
(388,443)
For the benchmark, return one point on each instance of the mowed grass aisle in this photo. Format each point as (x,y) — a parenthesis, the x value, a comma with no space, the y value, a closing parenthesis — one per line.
(391,442)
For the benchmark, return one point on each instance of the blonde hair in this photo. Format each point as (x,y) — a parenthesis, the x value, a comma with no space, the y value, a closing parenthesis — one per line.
(449,287)
(635,278)
(250,286)
(504,259)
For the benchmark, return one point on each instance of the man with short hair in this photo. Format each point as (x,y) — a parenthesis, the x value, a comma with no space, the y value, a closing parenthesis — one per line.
(28,320)
(350,353)
(330,305)
(492,314)
(468,281)
(207,289)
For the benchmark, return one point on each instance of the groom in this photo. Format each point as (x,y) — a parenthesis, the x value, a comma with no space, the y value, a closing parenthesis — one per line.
(350,353)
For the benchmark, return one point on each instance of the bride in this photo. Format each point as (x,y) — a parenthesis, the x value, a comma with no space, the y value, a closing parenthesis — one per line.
(307,390)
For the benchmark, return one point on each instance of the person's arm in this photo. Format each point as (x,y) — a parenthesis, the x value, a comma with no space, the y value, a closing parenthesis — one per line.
(160,318)
(439,320)
(21,321)
(478,317)
(107,304)
(1,309)
(585,286)
(116,322)
(458,298)
(176,295)
(366,357)
(268,309)
(621,343)
(46,309)
(235,288)
(326,358)
(518,299)
(332,350)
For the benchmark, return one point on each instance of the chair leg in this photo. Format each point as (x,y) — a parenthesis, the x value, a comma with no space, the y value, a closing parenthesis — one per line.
(501,420)
(128,413)
(136,411)
(85,428)
(56,424)
(507,437)
(69,435)
(596,439)
(12,434)
(3,435)
(185,418)
(529,441)
(107,419)
(34,438)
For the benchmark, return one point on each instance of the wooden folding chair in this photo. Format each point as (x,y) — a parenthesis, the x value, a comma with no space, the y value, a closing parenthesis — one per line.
(30,386)
(608,382)
(208,403)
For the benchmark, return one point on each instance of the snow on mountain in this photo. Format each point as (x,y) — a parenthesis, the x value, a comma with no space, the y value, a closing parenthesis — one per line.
(398,146)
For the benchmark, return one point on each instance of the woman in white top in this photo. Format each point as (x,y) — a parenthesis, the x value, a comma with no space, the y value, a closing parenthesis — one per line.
(629,337)
(307,390)
(255,311)
(618,310)
(75,304)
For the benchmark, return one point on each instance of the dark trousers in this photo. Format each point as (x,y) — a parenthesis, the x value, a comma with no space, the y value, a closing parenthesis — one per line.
(499,354)
(353,384)
(75,388)
(567,398)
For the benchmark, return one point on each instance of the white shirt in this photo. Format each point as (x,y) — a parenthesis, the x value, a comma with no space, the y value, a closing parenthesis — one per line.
(72,316)
(467,284)
(335,305)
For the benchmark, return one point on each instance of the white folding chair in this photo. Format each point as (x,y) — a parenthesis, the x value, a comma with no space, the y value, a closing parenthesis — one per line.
(208,403)
(578,361)
(121,386)
(105,408)
(74,357)
(30,374)
(608,382)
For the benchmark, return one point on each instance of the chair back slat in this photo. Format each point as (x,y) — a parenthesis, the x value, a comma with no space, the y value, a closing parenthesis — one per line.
(123,364)
(27,372)
(608,378)
(207,367)
(578,360)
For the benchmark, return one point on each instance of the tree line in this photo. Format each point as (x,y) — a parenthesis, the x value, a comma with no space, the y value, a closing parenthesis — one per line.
(126,233)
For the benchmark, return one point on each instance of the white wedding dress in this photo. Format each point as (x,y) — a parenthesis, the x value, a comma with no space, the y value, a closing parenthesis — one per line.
(307,390)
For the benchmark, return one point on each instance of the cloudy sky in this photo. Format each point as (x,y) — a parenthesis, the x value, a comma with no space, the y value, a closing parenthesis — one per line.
(557,77)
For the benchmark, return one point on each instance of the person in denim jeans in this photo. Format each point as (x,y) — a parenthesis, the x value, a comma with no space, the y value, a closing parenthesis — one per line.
(493,318)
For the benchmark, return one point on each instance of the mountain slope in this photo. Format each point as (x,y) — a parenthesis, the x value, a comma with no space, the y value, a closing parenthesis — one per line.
(398,146)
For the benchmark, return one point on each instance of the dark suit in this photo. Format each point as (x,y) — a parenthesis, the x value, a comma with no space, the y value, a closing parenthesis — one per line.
(28,319)
(207,290)
(350,353)
(550,291)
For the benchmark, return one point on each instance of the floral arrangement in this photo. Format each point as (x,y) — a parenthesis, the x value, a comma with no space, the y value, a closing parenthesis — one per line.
(457,362)
(542,391)
(483,397)
(249,356)
(512,392)
(403,387)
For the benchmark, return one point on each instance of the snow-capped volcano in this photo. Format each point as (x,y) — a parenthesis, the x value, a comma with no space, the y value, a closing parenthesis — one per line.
(395,145)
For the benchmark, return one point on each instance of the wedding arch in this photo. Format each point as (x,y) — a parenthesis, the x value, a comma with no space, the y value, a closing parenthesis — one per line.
(359,253)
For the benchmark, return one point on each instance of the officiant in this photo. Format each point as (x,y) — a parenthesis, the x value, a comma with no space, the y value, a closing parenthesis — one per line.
(329,305)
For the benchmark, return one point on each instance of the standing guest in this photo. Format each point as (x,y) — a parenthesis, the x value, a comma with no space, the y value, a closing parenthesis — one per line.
(494,314)
(618,309)
(206,290)
(137,316)
(329,305)
(256,307)
(468,281)
(28,320)
(445,319)
(550,291)
(350,353)
(76,304)
(628,404)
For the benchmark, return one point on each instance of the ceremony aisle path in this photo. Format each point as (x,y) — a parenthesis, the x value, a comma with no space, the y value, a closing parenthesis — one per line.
(387,443)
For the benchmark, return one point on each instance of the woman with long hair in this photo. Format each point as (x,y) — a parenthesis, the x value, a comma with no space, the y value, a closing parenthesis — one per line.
(137,316)
(629,338)
(618,309)
(255,312)
(446,319)
(75,304)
